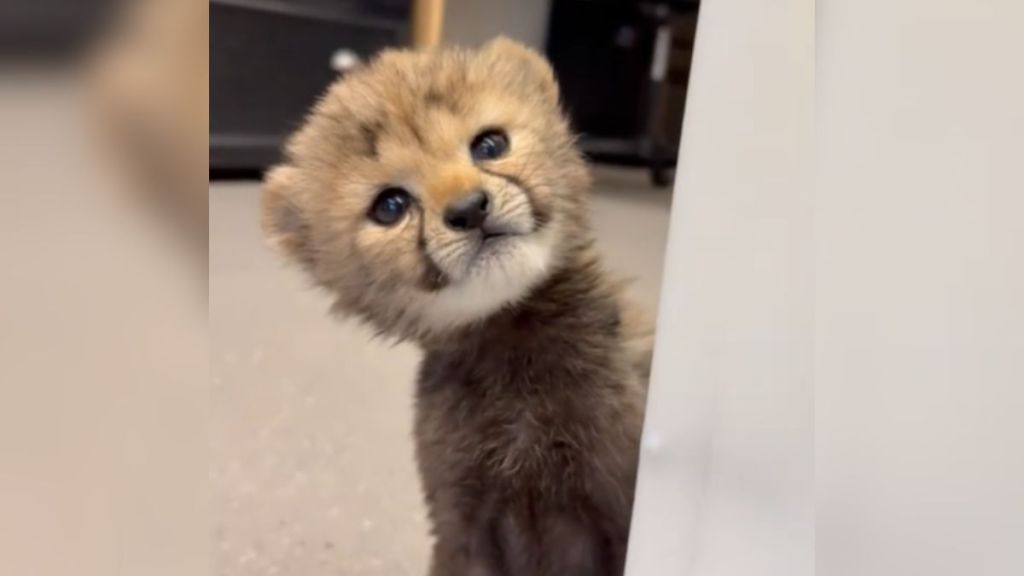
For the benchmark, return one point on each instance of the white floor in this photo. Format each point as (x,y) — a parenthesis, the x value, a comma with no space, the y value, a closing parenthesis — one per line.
(311,456)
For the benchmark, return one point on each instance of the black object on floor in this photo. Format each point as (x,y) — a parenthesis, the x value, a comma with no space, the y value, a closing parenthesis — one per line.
(271,59)
(623,68)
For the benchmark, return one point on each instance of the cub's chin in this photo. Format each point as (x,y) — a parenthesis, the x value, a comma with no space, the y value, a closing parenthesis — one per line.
(500,271)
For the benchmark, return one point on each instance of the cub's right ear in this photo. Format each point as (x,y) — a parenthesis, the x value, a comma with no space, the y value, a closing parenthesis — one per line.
(522,67)
(284,221)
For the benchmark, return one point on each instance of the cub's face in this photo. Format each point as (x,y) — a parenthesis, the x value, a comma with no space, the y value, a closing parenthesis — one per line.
(429,190)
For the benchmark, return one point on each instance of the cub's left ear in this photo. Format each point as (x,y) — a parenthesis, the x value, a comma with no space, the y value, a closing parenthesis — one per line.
(283,218)
(523,67)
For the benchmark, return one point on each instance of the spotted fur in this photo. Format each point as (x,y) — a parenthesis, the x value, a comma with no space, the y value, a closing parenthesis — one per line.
(530,396)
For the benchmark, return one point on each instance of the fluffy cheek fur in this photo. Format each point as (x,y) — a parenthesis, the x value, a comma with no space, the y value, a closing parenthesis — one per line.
(388,258)
(443,279)
(495,280)
(388,276)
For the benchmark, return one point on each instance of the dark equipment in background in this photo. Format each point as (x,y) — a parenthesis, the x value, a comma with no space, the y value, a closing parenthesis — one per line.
(622,65)
(52,31)
(271,59)
(623,68)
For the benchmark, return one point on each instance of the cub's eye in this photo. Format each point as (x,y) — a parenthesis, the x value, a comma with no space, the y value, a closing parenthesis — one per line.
(489,144)
(389,206)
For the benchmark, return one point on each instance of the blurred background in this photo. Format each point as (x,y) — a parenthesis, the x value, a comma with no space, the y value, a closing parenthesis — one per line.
(623,65)
(311,442)
(103,233)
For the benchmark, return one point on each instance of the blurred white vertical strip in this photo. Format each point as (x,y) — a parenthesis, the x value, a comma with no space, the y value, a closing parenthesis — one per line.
(103,367)
(919,361)
(726,474)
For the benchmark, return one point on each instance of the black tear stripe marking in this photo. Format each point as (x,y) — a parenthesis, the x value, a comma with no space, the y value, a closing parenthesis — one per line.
(433,278)
(541,217)
(370,132)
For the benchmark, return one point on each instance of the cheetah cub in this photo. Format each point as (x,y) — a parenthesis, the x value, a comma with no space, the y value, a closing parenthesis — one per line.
(439,198)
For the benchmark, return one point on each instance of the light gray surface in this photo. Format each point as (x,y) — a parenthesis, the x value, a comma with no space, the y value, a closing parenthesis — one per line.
(311,453)
(919,281)
(726,482)
(102,357)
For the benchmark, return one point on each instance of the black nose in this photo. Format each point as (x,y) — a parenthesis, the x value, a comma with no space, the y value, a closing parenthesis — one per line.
(468,212)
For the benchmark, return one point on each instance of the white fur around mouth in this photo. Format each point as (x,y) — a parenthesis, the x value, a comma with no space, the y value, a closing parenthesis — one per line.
(489,248)
(503,270)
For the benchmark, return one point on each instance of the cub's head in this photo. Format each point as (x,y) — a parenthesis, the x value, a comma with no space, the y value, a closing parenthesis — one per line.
(427,191)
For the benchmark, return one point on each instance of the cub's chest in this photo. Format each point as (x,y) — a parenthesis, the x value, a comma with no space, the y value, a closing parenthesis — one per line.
(505,430)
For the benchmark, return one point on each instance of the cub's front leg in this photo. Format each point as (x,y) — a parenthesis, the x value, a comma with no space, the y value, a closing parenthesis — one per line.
(465,545)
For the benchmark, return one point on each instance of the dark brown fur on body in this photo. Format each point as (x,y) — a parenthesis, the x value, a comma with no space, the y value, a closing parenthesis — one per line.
(530,396)
(527,435)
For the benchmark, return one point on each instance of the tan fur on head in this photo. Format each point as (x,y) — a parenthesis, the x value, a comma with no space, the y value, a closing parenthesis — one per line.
(407,120)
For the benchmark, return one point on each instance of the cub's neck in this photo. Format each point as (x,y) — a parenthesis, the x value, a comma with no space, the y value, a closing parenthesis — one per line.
(573,313)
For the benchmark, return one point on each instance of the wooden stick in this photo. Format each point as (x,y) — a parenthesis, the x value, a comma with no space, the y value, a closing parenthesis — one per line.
(427,23)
